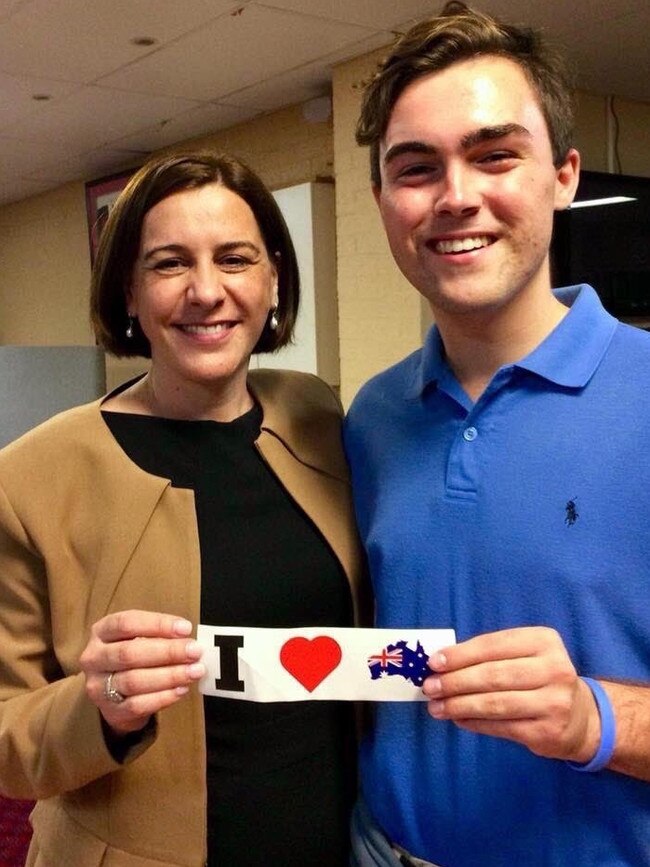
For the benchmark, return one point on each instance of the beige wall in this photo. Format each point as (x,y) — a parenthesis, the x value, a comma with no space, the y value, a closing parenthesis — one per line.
(379,312)
(44,249)
(282,147)
(45,269)
(594,120)
(634,144)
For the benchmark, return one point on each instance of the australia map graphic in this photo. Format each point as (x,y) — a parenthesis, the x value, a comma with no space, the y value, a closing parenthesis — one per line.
(399,660)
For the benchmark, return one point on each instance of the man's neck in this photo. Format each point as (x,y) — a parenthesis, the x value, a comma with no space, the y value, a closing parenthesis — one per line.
(478,344)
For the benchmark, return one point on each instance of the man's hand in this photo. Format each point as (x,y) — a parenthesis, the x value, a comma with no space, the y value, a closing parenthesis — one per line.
(518,684)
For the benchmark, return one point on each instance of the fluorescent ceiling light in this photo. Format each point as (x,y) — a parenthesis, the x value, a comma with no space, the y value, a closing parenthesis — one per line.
(611,200)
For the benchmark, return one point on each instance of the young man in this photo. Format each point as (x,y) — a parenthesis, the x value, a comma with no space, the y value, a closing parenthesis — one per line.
(502,480)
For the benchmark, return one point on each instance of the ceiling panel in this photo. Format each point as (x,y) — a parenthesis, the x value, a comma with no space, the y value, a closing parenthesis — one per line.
(7,7)
(300,84)
(382,14)
(95,115)
(17,96)
(555,15)
(89,166)
(604,41)
(287,88)
(235,51)
(190,124)
(80,40)
(20,156)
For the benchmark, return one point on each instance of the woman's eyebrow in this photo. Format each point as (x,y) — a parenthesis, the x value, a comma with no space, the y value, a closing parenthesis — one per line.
(226,247)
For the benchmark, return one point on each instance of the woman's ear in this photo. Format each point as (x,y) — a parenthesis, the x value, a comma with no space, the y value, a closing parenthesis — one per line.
(275,261)
(131,307)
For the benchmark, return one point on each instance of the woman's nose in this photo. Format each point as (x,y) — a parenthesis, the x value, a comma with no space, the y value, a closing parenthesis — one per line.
(206,286)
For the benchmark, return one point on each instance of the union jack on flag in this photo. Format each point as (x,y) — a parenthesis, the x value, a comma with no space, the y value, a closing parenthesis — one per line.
(400,660)
(387,655)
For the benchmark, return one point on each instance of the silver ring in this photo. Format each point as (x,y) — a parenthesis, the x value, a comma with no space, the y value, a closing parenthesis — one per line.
(110,693)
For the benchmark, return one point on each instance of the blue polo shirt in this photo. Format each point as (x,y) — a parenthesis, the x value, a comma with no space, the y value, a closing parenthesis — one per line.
(529,507)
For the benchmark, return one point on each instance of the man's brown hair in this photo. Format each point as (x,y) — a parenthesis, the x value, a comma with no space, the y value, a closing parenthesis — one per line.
(460,33)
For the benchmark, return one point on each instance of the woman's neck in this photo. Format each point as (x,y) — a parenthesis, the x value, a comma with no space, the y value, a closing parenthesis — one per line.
(193,401)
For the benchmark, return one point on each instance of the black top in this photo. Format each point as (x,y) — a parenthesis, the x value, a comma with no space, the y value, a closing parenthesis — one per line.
(280,776)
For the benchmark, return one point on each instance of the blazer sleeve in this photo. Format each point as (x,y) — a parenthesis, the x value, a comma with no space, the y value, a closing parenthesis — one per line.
(51,738)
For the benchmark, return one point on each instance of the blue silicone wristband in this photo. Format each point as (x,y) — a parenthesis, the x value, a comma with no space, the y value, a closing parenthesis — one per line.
(607,730)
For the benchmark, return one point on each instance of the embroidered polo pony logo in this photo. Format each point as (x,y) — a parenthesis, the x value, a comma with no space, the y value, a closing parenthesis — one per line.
(572,513)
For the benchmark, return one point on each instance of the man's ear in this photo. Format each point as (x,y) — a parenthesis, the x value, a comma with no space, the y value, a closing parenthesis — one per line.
(566,181)
(376,191)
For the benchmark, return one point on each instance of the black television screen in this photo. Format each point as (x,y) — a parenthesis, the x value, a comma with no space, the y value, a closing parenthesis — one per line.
(607,244)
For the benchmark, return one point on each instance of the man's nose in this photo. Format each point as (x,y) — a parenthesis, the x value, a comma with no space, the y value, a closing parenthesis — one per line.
(458,193)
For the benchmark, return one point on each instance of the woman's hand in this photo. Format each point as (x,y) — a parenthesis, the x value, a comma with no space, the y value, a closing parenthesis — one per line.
(145,657)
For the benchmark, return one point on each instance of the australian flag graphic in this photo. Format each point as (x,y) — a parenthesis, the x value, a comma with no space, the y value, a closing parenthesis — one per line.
(399,660)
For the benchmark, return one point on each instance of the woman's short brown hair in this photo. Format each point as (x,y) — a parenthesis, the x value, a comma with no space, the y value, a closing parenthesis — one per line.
(460,33)
(120,242)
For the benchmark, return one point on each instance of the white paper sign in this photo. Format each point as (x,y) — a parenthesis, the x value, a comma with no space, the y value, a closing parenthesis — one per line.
(316,662)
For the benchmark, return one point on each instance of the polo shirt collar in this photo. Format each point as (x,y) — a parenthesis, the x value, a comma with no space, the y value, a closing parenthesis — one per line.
(568,357)
(430,368)
(571,353)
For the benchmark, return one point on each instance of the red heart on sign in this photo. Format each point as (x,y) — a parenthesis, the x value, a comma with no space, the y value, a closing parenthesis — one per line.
(310,661)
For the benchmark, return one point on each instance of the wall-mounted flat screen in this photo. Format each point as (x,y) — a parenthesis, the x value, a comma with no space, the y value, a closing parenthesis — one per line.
(604,240)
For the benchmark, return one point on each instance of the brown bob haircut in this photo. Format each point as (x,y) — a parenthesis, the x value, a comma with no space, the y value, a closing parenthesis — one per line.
(460,33)
(120,242)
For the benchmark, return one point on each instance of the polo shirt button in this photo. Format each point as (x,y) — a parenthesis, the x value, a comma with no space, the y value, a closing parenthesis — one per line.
(470,434)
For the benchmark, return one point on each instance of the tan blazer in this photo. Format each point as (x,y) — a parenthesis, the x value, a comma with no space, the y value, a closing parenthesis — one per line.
(84,531)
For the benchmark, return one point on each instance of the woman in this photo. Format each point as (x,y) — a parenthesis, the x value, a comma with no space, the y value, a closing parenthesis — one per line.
(197,493)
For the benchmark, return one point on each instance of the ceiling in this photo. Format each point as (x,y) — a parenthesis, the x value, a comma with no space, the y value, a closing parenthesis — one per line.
(78,99)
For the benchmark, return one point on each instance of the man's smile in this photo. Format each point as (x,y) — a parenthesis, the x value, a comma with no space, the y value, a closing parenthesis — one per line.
(461,245)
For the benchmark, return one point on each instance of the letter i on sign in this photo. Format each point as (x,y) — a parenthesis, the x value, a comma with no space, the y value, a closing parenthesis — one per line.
(229,662)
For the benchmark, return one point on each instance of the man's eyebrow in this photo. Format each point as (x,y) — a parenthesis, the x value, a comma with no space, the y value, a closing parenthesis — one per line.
(408,147)
(490,133)
(484,134)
